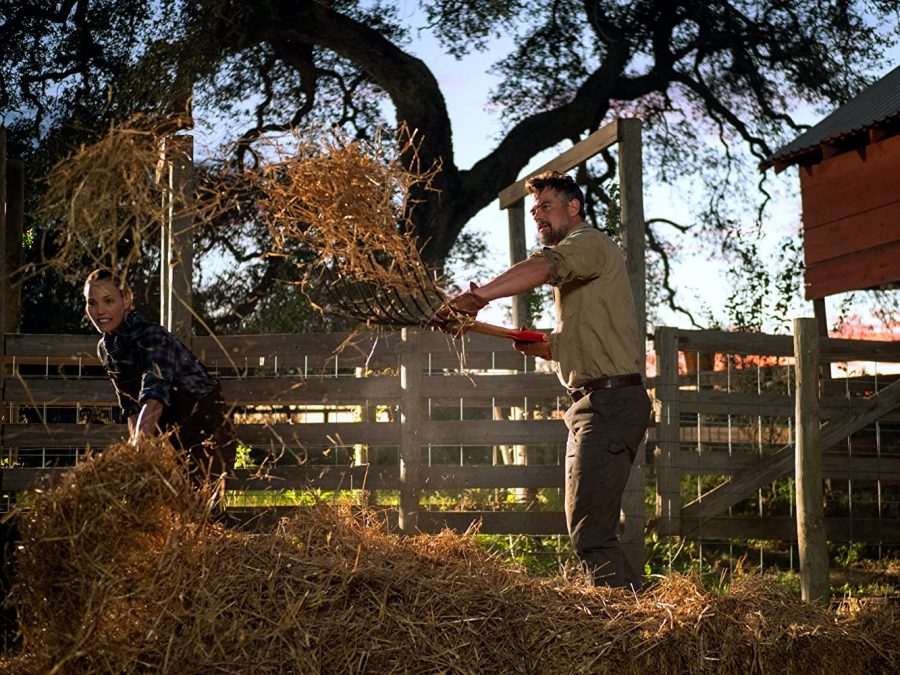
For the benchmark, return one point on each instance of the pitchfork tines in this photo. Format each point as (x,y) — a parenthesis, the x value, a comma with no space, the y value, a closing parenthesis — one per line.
(422,304)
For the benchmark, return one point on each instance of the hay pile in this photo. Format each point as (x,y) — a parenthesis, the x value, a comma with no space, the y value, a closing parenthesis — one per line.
(122,571)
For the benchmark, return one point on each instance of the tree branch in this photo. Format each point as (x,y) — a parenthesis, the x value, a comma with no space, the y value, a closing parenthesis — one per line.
(717,110)
(669,296)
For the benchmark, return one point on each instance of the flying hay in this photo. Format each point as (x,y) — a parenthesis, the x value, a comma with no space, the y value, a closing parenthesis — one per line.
(105,203)
(346,200)
(349,201)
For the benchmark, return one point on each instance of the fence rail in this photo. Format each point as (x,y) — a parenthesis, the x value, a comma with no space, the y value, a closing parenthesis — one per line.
(488,420)
(726,434)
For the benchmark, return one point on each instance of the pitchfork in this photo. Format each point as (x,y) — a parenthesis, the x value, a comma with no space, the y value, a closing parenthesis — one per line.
(381,305)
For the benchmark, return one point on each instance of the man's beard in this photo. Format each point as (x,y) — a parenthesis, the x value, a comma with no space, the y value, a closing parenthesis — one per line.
(549,236)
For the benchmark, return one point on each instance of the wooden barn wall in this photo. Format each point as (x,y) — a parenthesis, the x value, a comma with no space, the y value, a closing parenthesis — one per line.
(851,219)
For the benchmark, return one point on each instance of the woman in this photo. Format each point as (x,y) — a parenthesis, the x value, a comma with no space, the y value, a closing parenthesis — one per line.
(160,384)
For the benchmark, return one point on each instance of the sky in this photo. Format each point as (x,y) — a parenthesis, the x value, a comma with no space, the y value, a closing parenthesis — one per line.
(701,280)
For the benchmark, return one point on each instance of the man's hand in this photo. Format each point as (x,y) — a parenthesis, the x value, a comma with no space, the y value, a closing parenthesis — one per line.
(468,304)
(539,349)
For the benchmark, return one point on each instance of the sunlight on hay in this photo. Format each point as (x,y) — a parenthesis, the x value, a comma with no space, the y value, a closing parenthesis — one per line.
(121,570)
(105,202)
(349,201)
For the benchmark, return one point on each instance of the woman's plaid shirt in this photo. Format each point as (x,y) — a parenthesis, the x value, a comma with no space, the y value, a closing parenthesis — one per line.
(145,361)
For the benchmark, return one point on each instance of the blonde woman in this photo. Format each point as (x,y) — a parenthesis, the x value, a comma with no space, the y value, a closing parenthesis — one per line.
(160,384)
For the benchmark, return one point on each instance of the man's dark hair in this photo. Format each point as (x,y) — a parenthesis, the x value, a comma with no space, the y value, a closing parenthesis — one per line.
(560,182)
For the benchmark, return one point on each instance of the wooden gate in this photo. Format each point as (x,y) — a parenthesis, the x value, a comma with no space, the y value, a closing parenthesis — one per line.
(726,436)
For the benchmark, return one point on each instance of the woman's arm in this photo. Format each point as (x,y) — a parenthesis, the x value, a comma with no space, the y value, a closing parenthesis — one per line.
(147,420)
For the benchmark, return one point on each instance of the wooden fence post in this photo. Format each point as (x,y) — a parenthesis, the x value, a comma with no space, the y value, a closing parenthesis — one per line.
(15,219)
(363,455)
(176,250)
(811,540)
(518,251)
(634,229)
(4,278)
(668,433)
(411,364)
(12,216)
(631,186)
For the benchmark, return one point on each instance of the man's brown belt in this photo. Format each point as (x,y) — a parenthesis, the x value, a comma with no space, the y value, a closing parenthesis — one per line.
(606,382)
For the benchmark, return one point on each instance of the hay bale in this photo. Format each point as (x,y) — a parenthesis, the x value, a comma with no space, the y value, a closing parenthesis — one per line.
(122,570)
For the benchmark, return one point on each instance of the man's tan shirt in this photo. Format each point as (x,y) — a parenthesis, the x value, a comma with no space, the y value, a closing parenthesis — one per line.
(596,330)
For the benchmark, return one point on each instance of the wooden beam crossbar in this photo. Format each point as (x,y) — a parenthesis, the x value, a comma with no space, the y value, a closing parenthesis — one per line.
(578,153)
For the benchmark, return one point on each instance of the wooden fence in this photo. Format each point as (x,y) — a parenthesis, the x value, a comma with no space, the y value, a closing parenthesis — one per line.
(429,413)
(421,416)
(725,437)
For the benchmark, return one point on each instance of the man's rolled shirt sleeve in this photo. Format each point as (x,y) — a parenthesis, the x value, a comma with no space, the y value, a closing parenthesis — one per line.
(575,258)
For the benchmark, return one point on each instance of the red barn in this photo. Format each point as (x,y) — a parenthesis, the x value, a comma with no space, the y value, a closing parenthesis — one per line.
(850,189)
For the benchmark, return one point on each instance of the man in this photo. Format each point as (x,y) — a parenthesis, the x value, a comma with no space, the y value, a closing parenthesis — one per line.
(595,351)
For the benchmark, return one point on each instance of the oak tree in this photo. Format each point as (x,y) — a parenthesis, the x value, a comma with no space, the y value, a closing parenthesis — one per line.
(734,69)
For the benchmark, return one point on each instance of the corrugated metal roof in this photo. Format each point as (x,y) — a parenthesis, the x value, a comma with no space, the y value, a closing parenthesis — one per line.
(877,103)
